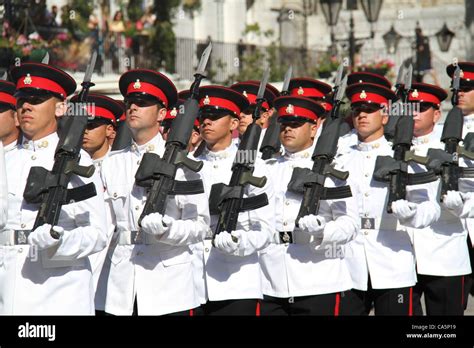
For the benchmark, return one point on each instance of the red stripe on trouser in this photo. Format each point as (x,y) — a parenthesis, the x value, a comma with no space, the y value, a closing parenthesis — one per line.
(257,310)
(410,303)
(338,303)
(462,293)
(191,312)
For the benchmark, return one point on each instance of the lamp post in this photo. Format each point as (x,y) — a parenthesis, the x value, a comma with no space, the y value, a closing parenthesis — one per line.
(331,10)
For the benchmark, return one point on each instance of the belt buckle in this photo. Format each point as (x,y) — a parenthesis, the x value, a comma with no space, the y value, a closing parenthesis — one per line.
(367,223)
(135,237)
(21,237)
(286,237)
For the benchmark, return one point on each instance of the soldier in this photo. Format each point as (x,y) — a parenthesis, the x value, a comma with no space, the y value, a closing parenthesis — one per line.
(55,277)
(312,248)
(466,104)
(150,271)
(381,258)
(104,112)
(250,89)
(231,268)
(3,189)
(442,258)
(10,130)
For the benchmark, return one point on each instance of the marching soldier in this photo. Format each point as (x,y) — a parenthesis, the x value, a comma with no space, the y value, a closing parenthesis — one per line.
(150,270)
(466,104)
(104,113)
(3,189)
(442,258)
(304,272)
(381,258)
(231,267)
(250,89)
(10,130)
(55,277)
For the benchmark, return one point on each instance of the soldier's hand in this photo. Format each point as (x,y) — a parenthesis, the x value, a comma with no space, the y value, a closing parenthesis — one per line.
(41,237)
(224,242)
(312,224)
(403,209)
(454,200)
(156,224)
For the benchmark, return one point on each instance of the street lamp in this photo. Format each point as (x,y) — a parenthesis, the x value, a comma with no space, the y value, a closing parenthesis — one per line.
(444,36)
(391,39)
(331,9)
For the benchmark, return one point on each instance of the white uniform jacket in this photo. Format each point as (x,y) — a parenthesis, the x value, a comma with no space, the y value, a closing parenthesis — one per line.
(58,280)
(383,248)
(441,248)
(469,128)
(236,276)
(308,266)
(158,271)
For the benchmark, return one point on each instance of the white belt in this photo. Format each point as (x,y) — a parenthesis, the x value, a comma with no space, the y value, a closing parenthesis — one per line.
(14,237)
(136,237)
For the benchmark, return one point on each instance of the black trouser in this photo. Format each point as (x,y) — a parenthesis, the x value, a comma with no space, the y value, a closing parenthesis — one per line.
(469,281)
(443,295)
(327,304)
(353,302)
(397,301)
(231,307)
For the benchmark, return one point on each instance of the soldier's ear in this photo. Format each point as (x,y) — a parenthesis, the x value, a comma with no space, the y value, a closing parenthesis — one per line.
(61,108)
(110,131)
(384,119)
(15,117)
(313,129)
(436,116)
(161,114)
(234,123)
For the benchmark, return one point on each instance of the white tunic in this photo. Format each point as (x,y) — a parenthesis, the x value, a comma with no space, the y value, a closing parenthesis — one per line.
(385,250)
(234,276)
(158,273)
(56,281)
(3,188)
(441,248)
(307,267)
(469,128)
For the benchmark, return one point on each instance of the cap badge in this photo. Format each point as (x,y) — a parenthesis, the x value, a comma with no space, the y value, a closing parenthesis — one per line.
(174,112)
(290,109)
(27,80)
(245,94)
(137,84)
(207,101)
(415,94)
(300,91)
(363,95)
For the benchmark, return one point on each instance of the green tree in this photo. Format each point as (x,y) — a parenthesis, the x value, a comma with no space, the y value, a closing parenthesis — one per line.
(75,17)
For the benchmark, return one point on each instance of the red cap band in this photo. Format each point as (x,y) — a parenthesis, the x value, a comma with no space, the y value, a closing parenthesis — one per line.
(97,111)
(220,102)
(368,97)
(252,98)
(424,97)
(308,92)
(327,106)
(145,87)
(297,111)
(7,98)
(467,75)
(40,82)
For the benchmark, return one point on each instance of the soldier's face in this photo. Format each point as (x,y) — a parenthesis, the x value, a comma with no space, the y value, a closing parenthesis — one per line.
(425,119)
(9,124)
(466,101)
(296,136)
(368,123)
(39,120)
(244,122)
(144,117)
(95,136)
(214,130)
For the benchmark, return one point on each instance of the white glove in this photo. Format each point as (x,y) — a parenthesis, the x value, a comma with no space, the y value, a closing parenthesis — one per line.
(223,241)
(41,237)
(312,224)
(403,209)
(454,201)
(156,224)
